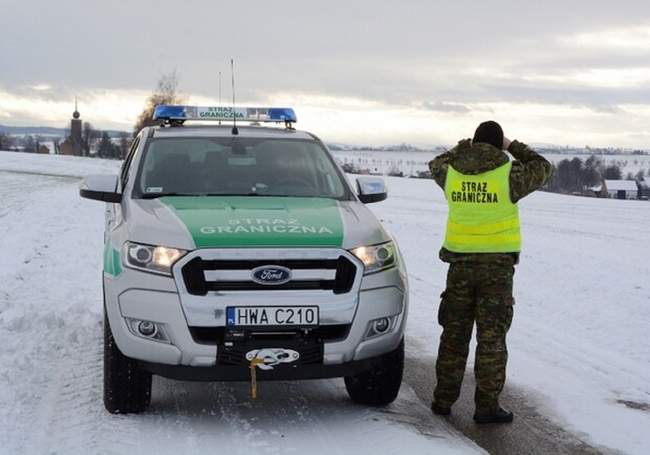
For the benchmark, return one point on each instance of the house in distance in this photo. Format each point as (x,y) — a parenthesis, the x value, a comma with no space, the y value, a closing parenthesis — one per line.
(618,189)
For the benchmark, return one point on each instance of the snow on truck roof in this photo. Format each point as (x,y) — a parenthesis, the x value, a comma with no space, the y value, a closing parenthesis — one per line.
(225,130)
(621,185)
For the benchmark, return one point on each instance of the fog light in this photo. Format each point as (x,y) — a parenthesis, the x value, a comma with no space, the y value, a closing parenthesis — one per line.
(381,325)
(147,328)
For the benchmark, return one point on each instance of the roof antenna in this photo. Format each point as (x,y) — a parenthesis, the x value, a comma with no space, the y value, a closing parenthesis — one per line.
(234,116)
(220,94)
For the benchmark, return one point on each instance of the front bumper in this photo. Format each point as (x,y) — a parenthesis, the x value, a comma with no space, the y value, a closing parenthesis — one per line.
(237,373)
(138,295)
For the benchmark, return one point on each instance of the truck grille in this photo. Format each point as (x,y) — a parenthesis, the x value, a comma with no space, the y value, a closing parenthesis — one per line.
(203,275)
(321,334)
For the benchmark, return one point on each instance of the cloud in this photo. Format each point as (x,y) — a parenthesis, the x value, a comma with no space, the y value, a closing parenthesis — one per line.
(628,39)
(607,109)
(104,108)
(443,62)
(443,106)
(41,87)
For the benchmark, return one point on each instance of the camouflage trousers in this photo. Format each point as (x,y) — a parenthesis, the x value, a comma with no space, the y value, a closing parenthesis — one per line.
(480,292)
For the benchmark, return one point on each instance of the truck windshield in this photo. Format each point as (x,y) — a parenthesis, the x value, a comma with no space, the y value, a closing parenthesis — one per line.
(238,167)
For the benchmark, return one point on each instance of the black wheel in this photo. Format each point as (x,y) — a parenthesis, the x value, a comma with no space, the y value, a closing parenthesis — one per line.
(380,385)
(127,388)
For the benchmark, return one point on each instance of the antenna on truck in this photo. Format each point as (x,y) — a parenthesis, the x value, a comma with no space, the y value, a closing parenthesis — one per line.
(220,93)
(234,116)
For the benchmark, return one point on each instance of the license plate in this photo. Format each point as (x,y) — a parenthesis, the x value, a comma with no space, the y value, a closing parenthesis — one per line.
(262,316)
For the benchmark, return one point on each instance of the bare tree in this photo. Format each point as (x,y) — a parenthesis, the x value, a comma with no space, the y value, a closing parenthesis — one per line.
(89,137)
(124,144)
(166,93)
(613,172)
(30,144)
(106,149)
(639,175)
(7,142)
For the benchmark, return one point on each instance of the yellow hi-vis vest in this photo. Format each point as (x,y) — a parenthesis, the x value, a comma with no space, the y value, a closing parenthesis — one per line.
(482,218)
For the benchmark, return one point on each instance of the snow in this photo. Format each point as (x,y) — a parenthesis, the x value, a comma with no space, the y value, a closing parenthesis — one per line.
(579,340)
(51,369)
(578,344)
(412,162)
(57,165)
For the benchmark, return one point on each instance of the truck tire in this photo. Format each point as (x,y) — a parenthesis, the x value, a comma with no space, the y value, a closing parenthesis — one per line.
(127,388)
(379,385)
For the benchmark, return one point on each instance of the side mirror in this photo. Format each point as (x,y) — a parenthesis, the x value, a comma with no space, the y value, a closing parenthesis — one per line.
(371,189)
(100,188)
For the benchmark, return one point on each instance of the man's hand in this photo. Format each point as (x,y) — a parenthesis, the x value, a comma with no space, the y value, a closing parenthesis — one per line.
(506,143)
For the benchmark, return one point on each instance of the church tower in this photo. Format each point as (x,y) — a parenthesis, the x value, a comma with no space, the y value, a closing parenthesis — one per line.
(75,131)
(73,144)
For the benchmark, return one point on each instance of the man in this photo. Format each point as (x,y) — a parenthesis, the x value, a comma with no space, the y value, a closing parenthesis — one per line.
(482,245)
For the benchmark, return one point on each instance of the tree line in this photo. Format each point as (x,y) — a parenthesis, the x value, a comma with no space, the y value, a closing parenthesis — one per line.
(91,139)
(101,141)
(575,175)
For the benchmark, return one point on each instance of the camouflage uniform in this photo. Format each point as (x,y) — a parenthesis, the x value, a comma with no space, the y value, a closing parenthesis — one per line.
(479,285)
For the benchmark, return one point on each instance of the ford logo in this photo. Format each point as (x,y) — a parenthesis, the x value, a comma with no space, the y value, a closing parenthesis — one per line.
(271,274)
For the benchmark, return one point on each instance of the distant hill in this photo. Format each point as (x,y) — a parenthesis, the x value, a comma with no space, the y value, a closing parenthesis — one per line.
(46,131)
(339,147)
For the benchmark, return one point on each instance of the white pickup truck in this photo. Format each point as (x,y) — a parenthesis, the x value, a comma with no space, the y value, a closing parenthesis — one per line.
(230,246)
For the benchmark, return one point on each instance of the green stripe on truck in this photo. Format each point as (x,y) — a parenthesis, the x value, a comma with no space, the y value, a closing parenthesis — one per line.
(259,221)
(112,260)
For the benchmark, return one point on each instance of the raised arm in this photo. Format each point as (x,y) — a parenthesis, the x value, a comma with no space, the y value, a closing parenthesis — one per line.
(529,172)
(438,166)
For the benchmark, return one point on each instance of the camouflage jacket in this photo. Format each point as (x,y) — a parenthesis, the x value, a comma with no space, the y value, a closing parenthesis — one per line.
(530,171)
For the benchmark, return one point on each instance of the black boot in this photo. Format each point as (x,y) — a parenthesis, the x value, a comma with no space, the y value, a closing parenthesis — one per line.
(501,416)
(440,410)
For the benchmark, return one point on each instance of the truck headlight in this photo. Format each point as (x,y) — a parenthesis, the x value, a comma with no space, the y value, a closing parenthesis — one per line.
(377,257)
(155,259)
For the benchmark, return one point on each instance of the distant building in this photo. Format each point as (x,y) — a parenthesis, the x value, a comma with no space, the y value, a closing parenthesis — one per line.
(73,144)
(618,189)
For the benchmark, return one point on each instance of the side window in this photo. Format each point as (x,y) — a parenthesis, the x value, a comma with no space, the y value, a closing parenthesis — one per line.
(124,172)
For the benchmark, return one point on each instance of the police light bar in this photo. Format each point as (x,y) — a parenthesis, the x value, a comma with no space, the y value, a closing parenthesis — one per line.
(244,114)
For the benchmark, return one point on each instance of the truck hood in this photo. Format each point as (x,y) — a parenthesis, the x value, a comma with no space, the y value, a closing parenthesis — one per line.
(243,221)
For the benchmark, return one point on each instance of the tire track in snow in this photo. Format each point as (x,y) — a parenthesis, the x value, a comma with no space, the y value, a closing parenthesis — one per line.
(72,418)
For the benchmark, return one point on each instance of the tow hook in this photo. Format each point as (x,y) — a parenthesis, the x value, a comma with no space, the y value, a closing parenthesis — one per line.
(266,359)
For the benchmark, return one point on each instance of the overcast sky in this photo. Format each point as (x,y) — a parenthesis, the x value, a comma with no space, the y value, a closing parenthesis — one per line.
(562,72)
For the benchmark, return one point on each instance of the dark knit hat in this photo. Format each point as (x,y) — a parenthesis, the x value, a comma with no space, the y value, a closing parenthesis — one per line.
(489,132)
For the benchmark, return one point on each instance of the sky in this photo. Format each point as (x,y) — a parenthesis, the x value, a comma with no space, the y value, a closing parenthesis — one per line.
(568,72)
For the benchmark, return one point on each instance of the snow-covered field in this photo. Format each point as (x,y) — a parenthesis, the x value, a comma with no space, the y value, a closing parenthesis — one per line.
(410,163)
(579,341)
(51,369)
(578,344)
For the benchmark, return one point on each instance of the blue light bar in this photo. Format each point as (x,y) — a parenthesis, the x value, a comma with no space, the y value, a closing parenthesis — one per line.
(215,113)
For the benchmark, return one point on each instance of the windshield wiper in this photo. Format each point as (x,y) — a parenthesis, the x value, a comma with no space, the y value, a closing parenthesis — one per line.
(252,193)
(157,195)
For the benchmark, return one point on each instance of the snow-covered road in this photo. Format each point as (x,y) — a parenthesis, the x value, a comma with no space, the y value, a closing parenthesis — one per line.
(51,369)
(578,345)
